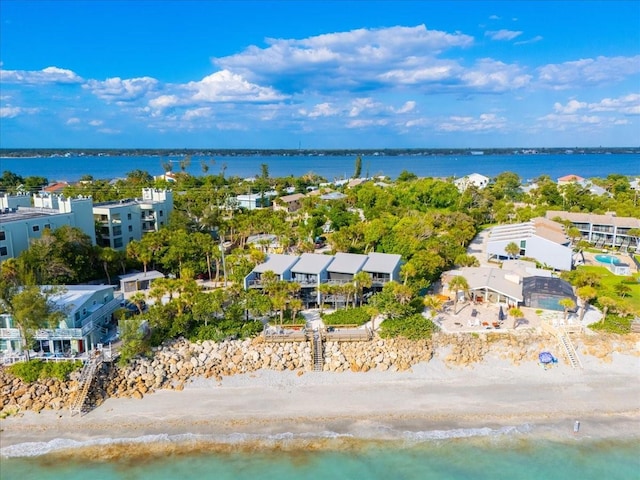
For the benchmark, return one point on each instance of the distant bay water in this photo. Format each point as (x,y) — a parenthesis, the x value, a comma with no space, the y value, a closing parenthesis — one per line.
(72,168)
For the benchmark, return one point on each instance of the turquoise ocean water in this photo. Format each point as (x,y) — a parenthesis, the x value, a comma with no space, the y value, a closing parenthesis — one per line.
(477,454)
(331,167)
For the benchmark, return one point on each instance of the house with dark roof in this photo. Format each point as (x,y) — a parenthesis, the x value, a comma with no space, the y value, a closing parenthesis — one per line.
(546,292)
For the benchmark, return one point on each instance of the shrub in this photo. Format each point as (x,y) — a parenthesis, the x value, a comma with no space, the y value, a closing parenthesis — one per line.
(350,316)
(414,327)
(614,324)
(37,369)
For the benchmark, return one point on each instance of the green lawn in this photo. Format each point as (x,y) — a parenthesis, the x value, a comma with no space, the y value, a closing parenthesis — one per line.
(607,285)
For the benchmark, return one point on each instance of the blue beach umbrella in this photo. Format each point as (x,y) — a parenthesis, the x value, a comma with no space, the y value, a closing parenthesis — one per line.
(545,358)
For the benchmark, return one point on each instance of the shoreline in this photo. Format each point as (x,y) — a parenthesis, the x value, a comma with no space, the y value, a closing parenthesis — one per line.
(430,401)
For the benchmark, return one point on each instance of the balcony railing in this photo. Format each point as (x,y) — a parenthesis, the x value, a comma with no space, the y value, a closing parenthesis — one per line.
(59,334)
(10,334)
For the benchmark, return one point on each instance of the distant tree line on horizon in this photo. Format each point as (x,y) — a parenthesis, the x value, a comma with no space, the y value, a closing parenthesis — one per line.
(57,152)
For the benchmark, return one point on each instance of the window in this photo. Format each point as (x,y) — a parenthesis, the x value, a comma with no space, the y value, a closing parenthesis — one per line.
(117,231)
(130,239)
(130,228)
(3,251)
(36,228)
(128,216)
(160,212)
(47,227)
(117,242)
(3,235)
(523,244)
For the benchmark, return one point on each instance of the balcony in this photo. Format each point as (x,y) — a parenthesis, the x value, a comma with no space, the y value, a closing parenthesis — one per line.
(10,334)
(59,334)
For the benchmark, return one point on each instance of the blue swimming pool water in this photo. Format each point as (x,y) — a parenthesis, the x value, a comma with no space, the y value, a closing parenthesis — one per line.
(608,259)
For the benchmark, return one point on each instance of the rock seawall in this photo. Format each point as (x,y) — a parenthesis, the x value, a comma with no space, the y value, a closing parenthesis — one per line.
(173,365)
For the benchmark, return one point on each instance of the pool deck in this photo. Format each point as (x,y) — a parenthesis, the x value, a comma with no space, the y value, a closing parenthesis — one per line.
(590,259)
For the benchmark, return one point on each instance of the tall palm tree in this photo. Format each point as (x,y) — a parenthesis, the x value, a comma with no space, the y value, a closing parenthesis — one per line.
(458,283)
(108,256)
(567,304)
(361,280)
(607,303)
(586,294)
(324,289)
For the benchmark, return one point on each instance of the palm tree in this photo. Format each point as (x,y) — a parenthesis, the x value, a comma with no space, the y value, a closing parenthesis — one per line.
(108,256)
(324,289)
(516,313)
(138,299)
(361,280)
(457,283)
(434,304)
(512,249)
(568,304)
(607,303)
(586,294)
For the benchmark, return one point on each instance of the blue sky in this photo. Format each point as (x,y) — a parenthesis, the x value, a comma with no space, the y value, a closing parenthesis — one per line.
(330,74)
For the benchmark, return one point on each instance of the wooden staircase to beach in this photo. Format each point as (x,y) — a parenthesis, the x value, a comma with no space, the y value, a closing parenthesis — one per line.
(569,350)
(317,351)
(84,383)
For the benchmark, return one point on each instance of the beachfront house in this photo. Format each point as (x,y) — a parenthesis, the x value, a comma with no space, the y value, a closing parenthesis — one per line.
(310,272)
(345,266)
(88,321)
(541,239)
(489,285)
(383,268)
(277,263)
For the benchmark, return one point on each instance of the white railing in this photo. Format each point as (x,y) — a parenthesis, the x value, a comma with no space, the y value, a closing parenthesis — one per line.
(58,334)
(10,334)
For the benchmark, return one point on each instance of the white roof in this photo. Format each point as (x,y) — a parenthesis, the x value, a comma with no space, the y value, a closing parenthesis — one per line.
(495,279)
(382,262)
(312,263)
(73,297)
(347,263)
(277,263)
(139,277)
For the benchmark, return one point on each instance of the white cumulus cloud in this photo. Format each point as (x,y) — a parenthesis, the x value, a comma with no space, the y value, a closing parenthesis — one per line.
(225,86)
(588,71)
(117,89)
(46,75)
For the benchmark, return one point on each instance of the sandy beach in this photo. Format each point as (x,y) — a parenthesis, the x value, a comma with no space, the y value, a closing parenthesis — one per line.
(431,397)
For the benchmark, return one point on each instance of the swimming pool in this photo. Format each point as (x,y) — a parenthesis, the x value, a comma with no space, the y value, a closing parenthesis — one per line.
(608,259)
